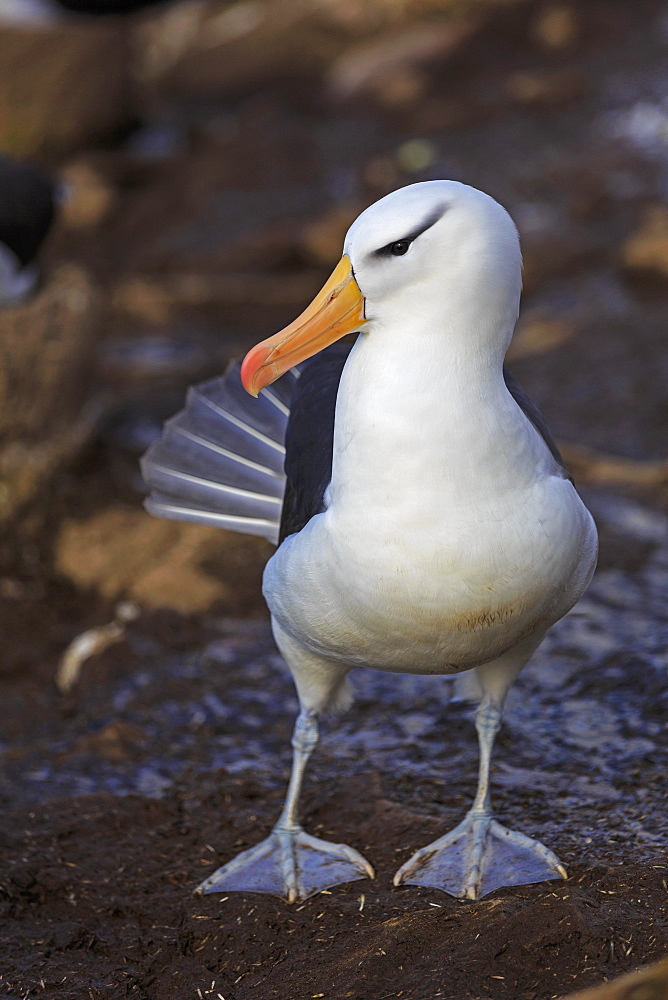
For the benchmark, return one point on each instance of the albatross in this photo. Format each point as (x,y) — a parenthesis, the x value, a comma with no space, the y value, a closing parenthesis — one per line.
(425,520)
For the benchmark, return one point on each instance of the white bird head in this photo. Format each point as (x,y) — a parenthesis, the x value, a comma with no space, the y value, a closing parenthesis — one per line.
(416,259)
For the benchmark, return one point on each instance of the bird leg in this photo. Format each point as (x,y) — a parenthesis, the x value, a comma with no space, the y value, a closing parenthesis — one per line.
(480,854)
(290,862)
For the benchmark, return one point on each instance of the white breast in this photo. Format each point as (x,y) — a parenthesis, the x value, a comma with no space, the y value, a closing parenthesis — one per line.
(381,594)
(450,533)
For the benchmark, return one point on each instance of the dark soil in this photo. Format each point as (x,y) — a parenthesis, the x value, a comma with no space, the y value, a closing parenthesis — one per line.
(120,921)
(171,752)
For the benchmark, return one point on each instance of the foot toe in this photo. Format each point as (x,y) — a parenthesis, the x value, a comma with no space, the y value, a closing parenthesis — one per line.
(323,864)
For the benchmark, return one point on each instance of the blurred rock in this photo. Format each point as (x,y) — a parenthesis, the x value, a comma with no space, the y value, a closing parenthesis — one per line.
(436,113)
(208,46)
(204,48)
(45,352)
(45,106)
(117,741)
(646,250)
(89,197)
(382,174)
(403,88)
(629,533)
(556,26)
(535,335)
(388,68)
(364,17)
(546,88)
(128,361)
(599,469)
(323,240)
(160,40)
(551,244)
(144,299)
(123,552)
(152,300)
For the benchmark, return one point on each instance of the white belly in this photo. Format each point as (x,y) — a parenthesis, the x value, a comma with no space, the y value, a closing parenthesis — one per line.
(435,593)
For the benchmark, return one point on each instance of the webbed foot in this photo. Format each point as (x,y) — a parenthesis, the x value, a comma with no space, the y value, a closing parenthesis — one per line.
(478,856)
(291,864)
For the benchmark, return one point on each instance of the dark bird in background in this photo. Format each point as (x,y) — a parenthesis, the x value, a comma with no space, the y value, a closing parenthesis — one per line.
(425,520)
(108,6)
(27,205)
(49,11)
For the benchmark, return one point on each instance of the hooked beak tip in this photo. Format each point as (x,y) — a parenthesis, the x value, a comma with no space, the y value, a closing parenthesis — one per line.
(252,368)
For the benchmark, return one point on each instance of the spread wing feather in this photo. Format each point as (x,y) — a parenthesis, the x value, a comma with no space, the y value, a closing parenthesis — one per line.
(220,460)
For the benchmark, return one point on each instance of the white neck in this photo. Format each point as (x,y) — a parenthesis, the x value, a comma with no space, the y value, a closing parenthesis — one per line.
(424,419)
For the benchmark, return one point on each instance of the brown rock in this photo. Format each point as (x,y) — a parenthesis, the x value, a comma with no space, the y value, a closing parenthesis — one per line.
(545,88)
(152,299)
(647,249)
(381,174)
(117,741)
(44,105)
(121,551)
(551,247)
(372,68)
(144,299)
(45,351)
(535,335)
(600,469)
(323,239)
(436,113)
(556,27)
(219,48)
(89,197)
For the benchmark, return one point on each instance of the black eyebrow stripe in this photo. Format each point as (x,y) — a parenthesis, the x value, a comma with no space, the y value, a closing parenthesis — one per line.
(430,221)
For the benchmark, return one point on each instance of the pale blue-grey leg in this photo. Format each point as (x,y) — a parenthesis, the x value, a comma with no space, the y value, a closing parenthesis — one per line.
(291,863)
(480,854)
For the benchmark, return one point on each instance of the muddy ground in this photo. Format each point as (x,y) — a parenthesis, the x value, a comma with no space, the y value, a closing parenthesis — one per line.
(171,751)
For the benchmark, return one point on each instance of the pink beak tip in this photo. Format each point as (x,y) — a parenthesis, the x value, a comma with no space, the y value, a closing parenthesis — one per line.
(250,368)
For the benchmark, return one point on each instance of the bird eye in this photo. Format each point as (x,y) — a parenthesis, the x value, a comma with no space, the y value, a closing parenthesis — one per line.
(400,248)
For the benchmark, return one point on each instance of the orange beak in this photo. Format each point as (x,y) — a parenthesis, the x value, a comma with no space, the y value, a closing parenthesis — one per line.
(337,309)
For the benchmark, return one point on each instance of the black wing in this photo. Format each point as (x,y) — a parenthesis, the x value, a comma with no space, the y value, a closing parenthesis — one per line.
(309,439)
(531,411)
